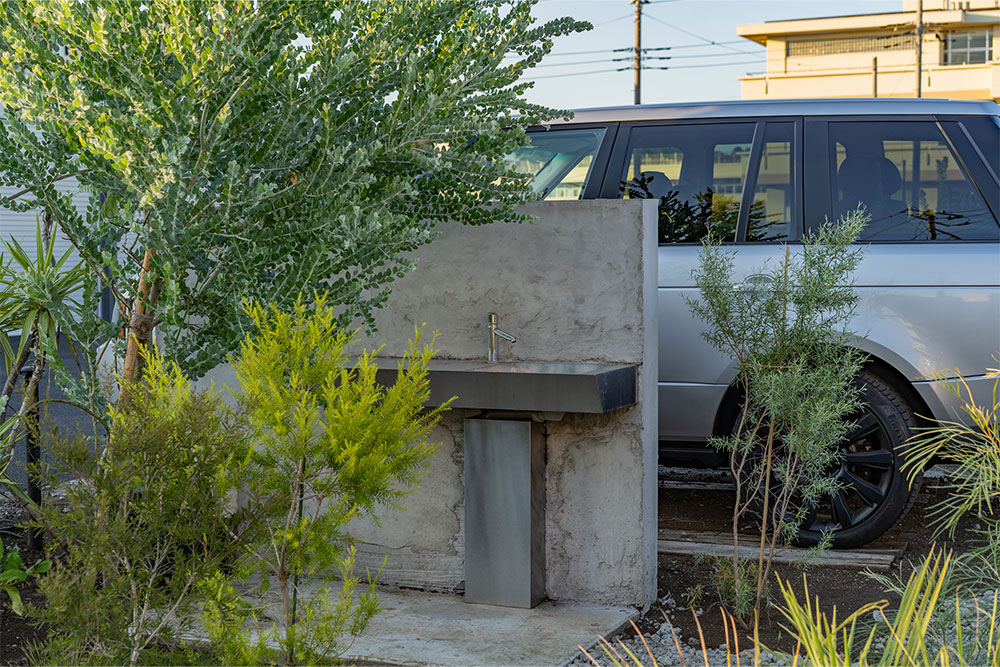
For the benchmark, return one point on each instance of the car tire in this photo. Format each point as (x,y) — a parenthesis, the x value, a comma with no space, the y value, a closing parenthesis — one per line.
(876,493)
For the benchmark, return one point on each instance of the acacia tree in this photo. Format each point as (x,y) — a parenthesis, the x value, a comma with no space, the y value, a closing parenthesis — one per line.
(262,148)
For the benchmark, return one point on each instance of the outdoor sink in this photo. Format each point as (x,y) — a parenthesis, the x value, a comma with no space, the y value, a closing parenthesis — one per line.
(550,368)
(526,385)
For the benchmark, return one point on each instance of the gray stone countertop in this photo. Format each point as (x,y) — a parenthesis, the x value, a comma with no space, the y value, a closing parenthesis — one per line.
(584,387)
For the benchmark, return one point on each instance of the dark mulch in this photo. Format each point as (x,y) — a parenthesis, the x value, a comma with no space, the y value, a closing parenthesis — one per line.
(845,590)
(17,632)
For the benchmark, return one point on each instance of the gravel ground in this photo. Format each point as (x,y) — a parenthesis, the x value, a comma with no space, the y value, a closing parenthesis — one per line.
(669,647)
(664,644)
(978,616)
(10,511)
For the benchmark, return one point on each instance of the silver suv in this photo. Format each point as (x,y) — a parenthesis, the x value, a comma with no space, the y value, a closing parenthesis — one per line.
(762,174)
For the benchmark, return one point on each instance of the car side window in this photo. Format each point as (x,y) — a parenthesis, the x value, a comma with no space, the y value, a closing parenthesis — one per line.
(770,215)
(910,181)
(559,161)
(985,131)
(697,173)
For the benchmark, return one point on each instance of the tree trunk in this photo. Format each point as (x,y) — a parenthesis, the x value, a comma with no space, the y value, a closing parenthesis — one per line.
(140,326)
(15,371)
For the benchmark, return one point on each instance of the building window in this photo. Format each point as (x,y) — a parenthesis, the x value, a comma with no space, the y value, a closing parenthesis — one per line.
(968,47)
(869,44)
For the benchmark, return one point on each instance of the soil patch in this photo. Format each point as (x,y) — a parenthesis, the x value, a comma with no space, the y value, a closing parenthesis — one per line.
(17,632)
(685,587)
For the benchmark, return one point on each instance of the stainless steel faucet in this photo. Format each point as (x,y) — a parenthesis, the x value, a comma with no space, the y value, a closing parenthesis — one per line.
(494,332)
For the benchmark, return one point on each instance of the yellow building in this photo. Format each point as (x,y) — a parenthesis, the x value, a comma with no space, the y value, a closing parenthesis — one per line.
(868,55)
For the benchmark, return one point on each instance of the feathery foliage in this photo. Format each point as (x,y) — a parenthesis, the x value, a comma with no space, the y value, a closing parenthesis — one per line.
(262,148)
(330,443)
(973,445)
(786,329)
(140,530)
(901,636)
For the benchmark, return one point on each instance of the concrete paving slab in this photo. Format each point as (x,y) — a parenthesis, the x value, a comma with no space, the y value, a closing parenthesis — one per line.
(417,628)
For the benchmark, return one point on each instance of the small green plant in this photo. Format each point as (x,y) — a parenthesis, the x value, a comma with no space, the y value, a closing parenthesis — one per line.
(973,445)
(899,637)
(143,524)
(13,573)
(226,617)
(973,487)
(786,331)
(736,588)
(694,596)
(36,294)
(896,637)
(330,443)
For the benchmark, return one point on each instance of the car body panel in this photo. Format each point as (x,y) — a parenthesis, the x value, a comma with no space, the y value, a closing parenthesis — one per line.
(926,308)
(949,398)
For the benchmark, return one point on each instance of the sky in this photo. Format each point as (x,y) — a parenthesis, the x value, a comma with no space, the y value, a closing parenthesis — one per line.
(706,56)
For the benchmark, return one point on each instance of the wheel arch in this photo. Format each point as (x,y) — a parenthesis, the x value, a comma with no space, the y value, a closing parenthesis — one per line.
(904,386)
(728,410)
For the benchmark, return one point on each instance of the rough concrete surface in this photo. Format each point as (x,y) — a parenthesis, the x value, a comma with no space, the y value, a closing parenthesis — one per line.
(434,629)
(578,285)
(569,286)
(418,628)
(422,542)
(592,555)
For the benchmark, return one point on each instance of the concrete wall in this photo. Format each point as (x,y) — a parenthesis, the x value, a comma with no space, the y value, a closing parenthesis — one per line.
(579,284)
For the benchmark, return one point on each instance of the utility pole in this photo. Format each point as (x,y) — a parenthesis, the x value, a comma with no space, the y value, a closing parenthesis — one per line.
(875,76)
(920,43)
(637,54)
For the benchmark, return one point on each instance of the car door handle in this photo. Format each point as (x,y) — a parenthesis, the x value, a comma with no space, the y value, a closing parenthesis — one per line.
(755,280)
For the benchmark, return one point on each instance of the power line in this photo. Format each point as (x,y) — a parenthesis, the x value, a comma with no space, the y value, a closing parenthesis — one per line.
(644,67)
(683,46)
(603,61)
(702,55)
(742,62)
(654,48)
(625,16)
(645,58)
(598,71)
(697,36)
(580,53)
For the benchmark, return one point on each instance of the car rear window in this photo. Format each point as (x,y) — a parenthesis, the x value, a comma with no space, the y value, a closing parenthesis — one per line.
(985,132)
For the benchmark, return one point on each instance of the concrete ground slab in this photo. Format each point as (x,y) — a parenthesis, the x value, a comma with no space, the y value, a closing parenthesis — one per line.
(417,628)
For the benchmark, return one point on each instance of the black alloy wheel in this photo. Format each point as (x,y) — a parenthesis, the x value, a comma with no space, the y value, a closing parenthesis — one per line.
(875,493)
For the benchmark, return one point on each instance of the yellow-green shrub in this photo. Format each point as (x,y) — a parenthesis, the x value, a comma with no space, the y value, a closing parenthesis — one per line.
(329,443)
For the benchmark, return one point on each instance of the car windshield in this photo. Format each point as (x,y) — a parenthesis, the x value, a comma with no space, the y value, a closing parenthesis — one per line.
(559,161)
